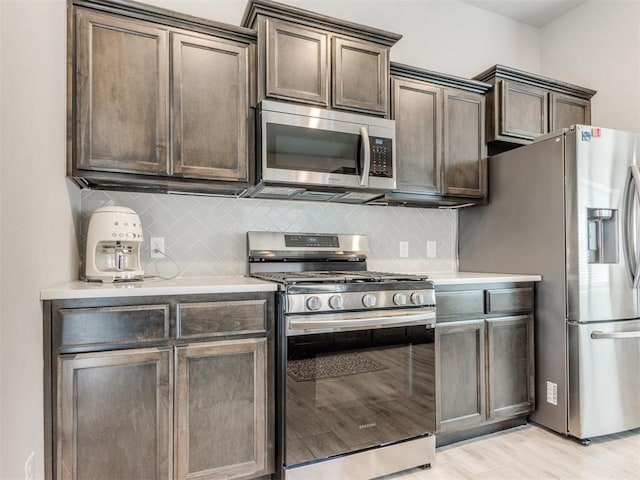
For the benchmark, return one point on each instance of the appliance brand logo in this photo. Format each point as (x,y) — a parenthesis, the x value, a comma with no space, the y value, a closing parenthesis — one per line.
(587,135)
(367,425)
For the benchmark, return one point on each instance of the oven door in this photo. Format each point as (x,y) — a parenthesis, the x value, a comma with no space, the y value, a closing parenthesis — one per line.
(348,391)
(304,150)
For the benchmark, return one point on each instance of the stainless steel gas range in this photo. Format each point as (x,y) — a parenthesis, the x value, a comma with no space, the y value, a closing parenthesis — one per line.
(355,361)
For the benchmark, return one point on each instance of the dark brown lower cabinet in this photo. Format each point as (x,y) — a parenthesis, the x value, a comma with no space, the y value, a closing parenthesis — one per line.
(114,415)
(221,409)
(510,366)
(171,387)
(460,379)
(484,359)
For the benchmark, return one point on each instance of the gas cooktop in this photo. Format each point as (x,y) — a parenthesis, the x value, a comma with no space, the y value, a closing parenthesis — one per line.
(329,276)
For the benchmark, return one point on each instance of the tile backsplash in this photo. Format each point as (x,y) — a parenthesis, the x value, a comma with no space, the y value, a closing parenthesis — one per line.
(207,235)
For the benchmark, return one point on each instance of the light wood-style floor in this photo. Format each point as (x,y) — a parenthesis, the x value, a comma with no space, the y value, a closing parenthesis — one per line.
(531,452)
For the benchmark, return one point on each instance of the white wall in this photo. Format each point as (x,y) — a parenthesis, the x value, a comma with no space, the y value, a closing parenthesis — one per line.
(597,45)
(441,35)
(36,214)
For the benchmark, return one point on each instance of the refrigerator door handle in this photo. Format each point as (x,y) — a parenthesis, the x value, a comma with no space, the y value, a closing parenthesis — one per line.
(601,335)
(629,236)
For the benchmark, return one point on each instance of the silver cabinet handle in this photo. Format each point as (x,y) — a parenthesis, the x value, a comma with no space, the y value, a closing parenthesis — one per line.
(629,235)
(600,335)
(366,146)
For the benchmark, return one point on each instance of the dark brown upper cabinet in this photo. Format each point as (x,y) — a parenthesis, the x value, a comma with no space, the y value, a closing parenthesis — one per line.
(440,140)
(523,106)
(157,100)
(310,58)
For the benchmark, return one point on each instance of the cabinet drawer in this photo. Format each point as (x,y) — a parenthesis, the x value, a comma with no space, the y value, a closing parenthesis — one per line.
(112,325)
(510,300)
(459,304)
(221,318)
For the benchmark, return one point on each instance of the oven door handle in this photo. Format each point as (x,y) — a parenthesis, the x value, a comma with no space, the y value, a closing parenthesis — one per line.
(302,323)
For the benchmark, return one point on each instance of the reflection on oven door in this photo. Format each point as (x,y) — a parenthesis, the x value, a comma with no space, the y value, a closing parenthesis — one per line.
(354,390)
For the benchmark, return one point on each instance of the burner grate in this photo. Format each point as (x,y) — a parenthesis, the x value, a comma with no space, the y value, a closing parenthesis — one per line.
(328,276)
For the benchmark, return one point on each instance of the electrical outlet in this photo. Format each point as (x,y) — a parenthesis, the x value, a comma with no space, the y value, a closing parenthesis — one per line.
(431,249)
(156,247)
(404,249)
(28,467)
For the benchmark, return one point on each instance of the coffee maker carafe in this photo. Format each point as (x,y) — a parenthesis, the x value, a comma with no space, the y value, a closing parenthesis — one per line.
(114,239)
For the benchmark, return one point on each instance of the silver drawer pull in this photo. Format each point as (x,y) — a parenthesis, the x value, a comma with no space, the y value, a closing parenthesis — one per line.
(600,335)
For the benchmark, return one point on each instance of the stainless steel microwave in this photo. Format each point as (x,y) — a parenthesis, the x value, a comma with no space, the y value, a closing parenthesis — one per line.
(306,152)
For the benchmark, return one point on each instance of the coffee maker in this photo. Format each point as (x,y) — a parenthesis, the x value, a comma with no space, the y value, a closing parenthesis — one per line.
(114,239)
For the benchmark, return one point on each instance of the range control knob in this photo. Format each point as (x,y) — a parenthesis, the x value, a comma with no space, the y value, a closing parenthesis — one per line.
(369,300)
(400,299)
(336,302)
(417,298)
(314,303)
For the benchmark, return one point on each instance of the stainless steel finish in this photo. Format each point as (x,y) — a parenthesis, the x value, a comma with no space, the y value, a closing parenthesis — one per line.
(595,177)
(331,120)
(297,303)
(525,229)
(604,383)
(630,225)
(325,288)
(366,148)
(349,321)
(370,463)
(271,246)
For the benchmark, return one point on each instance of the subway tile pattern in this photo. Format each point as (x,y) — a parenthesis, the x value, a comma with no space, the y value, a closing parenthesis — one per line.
(207,235)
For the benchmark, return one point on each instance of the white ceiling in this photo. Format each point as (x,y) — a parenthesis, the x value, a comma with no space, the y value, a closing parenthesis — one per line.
(533,12)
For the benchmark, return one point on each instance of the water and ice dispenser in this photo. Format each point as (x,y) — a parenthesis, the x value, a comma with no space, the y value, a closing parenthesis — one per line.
(602,233)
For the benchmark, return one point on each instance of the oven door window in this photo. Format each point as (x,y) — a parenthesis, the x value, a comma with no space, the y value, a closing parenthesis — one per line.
(354,390)
(312,149)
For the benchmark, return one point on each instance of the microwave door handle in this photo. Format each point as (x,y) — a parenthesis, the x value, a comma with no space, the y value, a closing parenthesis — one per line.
(629,234)
(366,148)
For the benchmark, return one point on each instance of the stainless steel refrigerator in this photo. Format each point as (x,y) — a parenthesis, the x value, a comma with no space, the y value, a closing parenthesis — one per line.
(568,207)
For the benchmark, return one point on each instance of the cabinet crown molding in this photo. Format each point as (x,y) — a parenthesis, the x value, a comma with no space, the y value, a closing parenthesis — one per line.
(170,18)
(272,9)
(508,73)
(443,79)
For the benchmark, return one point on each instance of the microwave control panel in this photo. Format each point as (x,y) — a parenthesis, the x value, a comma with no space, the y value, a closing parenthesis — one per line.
(381,157)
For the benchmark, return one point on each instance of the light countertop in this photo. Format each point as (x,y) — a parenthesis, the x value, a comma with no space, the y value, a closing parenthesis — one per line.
(234,284)
(466,278)
(177,286)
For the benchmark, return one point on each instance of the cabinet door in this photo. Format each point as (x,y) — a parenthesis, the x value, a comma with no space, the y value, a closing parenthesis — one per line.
(416,108)
(567,110)
(121,88)
(114,415)
(524,110)
(511,366)
(210,108)
(460,375)
(221,406)
(465,164)
(360,75)
(296,63)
